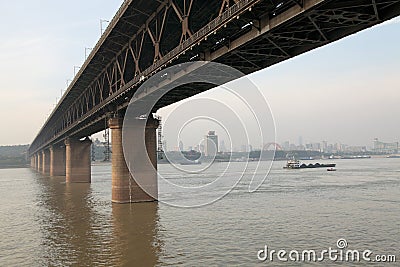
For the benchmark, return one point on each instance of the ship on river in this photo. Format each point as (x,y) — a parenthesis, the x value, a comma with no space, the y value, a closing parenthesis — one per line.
(296,164)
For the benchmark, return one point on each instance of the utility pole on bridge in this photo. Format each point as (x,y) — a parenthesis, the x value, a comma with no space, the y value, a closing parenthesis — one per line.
(106,135)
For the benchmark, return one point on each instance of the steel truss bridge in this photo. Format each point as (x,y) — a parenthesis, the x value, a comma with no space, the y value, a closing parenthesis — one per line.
(146,36)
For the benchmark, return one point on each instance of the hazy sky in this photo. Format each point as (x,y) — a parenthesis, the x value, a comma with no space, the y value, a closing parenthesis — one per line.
(345,92)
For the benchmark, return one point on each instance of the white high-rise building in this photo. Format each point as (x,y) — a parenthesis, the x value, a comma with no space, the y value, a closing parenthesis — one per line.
(211,148)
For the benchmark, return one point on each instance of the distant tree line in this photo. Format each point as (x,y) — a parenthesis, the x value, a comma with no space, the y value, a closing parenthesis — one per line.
(14,156)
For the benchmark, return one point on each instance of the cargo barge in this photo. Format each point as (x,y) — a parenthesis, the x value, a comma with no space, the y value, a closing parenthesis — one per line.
(295,164)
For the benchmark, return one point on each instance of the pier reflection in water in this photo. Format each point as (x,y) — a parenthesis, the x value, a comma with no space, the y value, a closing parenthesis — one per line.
(135,231)
(77,227)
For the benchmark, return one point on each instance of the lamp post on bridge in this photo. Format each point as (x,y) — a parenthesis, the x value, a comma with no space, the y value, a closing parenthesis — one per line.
(75,68)
(86,52)
(101,25)
(68,82)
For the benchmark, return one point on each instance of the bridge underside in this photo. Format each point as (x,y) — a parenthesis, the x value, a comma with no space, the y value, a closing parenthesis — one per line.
(147,36)
(260,36)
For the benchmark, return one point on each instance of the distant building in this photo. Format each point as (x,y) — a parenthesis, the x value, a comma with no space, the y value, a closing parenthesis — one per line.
(337,148)
(356,149)
(300,141)
(246,148)
(313,147)
(301,148)
(286,145)
(325,146)
(381,147)
(181,146)
(211,148)
(243,148)
(316,147)
(222,146)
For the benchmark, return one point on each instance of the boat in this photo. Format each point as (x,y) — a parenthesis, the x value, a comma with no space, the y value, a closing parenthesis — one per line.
(196,162)
(331,170)
(295,164)
(393,157)
(356,157)
(292,164)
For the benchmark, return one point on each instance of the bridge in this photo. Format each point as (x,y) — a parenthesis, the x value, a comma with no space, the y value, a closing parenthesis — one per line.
(146,36)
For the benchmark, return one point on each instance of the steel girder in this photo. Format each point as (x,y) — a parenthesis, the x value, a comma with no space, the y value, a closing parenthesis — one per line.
(147,36)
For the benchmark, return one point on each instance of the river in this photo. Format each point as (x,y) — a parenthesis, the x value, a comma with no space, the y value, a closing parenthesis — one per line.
(45,222)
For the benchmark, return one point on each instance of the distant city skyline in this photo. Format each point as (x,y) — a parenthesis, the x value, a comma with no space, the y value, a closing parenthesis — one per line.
(312,145)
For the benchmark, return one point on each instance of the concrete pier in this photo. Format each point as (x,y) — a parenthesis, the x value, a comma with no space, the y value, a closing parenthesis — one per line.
(38,162)
(46,162)
(78,160)
(38,166)
(57,161)
(121,179)
(124,187)
(151,174)
(41,167)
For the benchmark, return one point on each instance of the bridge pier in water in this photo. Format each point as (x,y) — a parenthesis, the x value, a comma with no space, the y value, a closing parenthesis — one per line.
(41,157)
(124,187)
(151,174)
(73,160)
(57,160)
(37,166)
(46,162)
(38,162)
(77,160)
(33,162)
